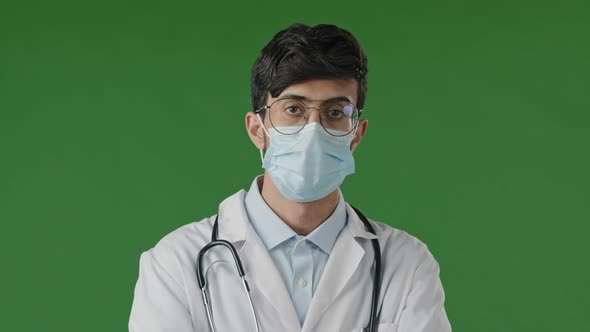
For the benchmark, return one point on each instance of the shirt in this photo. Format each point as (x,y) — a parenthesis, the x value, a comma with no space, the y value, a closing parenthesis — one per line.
(299,259)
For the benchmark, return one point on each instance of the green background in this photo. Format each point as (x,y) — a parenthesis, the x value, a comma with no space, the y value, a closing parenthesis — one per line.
(122,121)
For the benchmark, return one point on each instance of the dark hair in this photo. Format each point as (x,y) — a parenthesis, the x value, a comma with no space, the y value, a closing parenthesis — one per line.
(300,53)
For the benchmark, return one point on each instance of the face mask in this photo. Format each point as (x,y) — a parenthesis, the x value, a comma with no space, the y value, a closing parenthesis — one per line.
(310,164)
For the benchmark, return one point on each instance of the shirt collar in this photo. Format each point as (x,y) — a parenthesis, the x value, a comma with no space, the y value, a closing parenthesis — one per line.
(325,235)
(273,231)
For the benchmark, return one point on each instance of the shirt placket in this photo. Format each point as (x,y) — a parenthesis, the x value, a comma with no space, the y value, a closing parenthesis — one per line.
(301,286)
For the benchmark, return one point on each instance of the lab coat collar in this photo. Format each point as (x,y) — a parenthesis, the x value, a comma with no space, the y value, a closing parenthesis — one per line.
(356,225)
(234,223)
(271,229)
(233,220)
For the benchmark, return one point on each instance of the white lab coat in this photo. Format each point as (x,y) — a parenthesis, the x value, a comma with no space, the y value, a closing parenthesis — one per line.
(168,298)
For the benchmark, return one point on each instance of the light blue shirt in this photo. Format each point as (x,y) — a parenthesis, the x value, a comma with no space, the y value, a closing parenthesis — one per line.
(299,259)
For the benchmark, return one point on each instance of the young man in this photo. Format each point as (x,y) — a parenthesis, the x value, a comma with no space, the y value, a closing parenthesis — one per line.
(310,262)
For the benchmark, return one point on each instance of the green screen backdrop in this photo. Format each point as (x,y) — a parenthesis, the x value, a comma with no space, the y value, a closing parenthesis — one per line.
(124,120)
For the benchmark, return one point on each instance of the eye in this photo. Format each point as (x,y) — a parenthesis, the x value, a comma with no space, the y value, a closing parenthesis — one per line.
(337,111)
(294,110)
(334,114)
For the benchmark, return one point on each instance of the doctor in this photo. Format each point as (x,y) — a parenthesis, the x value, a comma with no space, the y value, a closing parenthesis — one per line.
(308,259)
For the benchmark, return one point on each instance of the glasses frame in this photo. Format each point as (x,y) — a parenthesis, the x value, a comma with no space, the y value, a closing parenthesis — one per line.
(267,107)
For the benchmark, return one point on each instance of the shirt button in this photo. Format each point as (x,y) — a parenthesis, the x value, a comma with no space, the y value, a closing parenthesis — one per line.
(303,244)
(302,283)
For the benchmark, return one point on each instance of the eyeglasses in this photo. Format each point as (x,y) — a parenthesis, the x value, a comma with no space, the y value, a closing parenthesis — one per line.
(288,116)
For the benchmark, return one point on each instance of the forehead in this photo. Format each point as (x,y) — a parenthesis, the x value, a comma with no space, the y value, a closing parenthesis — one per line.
(322,89)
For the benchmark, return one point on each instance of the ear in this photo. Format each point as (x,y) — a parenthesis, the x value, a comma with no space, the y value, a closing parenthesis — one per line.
(255,130)
(361,129)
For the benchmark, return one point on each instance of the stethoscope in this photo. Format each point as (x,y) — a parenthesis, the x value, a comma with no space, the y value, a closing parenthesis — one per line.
(215,241)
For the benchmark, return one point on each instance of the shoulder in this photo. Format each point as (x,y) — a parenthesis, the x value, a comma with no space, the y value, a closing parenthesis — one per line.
(399,245)
(183,243)
(176,252)
(185,239)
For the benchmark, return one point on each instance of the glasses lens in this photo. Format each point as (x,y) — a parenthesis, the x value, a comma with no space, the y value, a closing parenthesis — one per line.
(287,115)
(339,118)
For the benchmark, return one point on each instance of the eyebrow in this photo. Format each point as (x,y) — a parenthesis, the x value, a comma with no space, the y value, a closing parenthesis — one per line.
(338,98)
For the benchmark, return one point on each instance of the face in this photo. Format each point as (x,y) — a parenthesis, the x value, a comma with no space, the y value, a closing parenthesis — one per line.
(314,91)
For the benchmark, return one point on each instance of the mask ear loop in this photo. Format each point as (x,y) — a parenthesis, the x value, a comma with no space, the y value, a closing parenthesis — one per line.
(266,132)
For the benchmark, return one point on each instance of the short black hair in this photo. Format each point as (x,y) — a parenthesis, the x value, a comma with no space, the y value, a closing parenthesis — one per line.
(301,53)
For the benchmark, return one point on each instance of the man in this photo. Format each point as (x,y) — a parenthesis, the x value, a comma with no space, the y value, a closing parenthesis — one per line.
(308,258)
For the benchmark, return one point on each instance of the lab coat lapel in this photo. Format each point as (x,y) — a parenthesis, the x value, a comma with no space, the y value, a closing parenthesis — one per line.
(261,272)
(344,260)
(265,278)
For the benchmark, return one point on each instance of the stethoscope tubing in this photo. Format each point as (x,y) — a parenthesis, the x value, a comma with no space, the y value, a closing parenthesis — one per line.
(372,326)
(215,241)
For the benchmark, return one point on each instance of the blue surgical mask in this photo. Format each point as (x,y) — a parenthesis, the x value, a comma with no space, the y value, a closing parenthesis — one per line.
(310,164)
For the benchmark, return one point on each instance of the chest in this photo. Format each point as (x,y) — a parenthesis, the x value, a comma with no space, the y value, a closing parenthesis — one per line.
(341,300)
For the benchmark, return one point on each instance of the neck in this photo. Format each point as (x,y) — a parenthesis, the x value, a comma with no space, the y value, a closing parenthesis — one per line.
(302,217)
